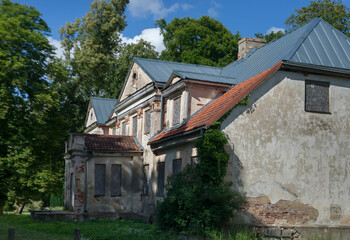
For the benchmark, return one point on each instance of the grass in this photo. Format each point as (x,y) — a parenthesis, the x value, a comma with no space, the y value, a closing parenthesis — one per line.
(100,229)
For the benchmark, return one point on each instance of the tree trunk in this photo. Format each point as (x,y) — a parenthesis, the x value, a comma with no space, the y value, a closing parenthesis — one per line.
(1,208)
(21,208)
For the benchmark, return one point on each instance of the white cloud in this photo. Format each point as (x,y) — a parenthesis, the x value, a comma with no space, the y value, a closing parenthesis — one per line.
(57,45)
(213,11)
(151,35)
(186,6)
(275,29)
(139,8)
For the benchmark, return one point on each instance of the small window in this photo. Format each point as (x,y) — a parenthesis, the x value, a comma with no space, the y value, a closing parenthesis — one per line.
(100,179)
(194,160)
(160,181)
(116,180)
(134,126)
(177,110)
(177,166)
(147,121)
(144,180)
(124,128)
(91,116)
(316,96)
(114,131)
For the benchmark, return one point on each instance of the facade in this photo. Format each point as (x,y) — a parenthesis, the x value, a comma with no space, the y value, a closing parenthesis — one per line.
(289,147)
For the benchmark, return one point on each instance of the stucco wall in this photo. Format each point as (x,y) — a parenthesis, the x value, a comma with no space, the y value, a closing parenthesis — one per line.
(293,166)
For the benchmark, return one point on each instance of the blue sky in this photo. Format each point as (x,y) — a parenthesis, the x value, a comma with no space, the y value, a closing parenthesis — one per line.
(246,16)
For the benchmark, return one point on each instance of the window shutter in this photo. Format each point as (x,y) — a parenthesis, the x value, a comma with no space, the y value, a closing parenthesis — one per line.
(177,165)
(317,96)
(160,182)
(116,180)
(177,110)
(100,179)
(134,126)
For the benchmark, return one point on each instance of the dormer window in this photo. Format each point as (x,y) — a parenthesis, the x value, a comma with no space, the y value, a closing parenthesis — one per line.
(177,111)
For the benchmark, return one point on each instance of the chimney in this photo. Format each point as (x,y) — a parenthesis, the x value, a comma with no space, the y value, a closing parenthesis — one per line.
(247,44)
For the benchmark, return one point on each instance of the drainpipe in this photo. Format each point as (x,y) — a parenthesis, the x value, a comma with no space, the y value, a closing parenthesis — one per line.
(90,155)
(161,113)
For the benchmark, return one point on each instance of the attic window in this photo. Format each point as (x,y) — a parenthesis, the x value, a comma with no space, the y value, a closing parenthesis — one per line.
(317,96)
(134,76)
(177,110)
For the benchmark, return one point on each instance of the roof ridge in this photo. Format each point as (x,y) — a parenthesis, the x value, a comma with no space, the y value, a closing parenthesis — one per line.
(98,98)
(217,75)
(179,63)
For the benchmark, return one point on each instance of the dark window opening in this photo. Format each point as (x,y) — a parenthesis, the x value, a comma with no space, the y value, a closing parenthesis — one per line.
(316,96)
(100,179)
(144,180)
(134,126)
(177,166)
(116,180)
(160,181)
(147,121)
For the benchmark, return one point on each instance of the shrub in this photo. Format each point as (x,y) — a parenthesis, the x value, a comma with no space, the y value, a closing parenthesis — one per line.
(198,200)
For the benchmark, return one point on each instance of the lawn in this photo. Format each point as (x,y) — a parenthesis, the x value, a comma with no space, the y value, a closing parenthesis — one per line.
(100,229)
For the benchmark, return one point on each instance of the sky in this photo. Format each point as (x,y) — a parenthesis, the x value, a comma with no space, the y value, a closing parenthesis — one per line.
(246,16)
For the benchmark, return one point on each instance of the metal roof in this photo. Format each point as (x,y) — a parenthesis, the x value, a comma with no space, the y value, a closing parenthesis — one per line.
(160,71)
(205,77)
(316,42)
(103,108)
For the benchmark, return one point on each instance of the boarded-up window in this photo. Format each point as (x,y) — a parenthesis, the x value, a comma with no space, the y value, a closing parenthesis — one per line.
(177,165)
(194,160)
(124,128)
(317,96)
(147,121)
(134,126)
(100,179)
(177,110)
(116,180)
(161,176)
(144,180)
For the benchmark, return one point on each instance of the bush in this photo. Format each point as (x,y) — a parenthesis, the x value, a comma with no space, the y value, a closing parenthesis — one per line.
(198,200)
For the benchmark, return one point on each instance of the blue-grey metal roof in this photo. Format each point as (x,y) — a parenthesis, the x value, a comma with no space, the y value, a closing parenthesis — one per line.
(317,42)
(160,71)
(205,77)
(103,108)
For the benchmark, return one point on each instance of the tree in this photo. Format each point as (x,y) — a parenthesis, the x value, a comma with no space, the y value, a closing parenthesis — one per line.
(92,44)
(26,99)
(142,49)
(270,36)
(199,41)
(333,12)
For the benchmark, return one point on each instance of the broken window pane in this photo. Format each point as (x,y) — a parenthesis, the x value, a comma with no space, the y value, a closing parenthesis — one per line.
(116,180)
(317,96)
(100,179)
(177,110)
(161,176)
(177,165)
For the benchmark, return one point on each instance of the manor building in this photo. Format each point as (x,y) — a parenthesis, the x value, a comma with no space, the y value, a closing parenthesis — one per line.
(289,146)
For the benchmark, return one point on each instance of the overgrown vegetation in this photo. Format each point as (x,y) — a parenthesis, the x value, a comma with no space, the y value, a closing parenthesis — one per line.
(198,199)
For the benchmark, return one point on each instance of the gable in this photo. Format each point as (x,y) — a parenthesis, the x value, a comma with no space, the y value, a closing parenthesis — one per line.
(136,80)
(90,117)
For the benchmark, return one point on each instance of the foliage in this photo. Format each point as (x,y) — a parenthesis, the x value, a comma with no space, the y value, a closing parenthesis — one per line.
(333,12)
(236,233)
(92,44)
(27,103)
(199,41)
(198,199)
(25,228)
(270,36)
(142,49)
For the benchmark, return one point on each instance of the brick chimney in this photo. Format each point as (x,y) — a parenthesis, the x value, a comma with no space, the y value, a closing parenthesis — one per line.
(247,44)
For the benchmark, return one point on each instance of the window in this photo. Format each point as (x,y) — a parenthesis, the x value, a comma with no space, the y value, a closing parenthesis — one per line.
(114,131)
(134,126)
(194,160)
(144,180)
(177,110)
(316,96)
(100,179)
(160,181)
(124,128)
(147,121)
(177,165)
(116,180)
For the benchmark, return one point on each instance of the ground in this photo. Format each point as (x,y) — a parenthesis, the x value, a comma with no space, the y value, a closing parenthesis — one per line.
(101,229)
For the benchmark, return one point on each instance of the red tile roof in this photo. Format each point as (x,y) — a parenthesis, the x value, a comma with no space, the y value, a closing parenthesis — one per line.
(111,143)
(220,106)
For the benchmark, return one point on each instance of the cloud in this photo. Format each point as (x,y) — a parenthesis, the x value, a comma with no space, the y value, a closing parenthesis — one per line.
(213,11)
(139,8)
(151,35)
(186,6)
(275,29)
(57,45)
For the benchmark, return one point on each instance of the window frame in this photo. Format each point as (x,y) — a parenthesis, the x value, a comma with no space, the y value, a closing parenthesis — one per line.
(306,108)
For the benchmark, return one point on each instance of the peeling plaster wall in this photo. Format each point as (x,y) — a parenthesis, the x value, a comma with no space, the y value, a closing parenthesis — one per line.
(200,96)
(292,165)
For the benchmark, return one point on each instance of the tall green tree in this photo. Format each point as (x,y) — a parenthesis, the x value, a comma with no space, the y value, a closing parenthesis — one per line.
(334,12)
(26,98)
(199,41)
(270,36)
(91,46)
